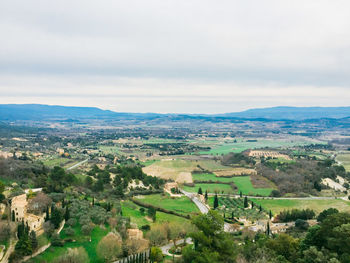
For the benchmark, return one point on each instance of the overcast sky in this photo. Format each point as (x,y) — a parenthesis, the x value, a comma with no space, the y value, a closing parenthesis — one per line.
(175,56)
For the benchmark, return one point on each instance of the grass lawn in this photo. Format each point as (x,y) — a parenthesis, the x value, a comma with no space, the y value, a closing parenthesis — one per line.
(133,211)
(318,206)
(211,188)
(59,161)
(245,185)
(181,205)
(54,252)
(210,177)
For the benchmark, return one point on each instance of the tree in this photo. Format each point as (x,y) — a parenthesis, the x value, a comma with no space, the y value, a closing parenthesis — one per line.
(210,241)
(245,203)
(156,254)
(268,229)
(200,192)
(240,194)
(86,229)
(13,217)
(284,245)
(110,247)
(56,218)
(33,240)
(69,231)
(157,235)
(206,196)
(66,214)
(56,240)
(270,214)
(216,201)
(330,211)
(47,217)
(73,255)
(152,213)
(301,224)
(39,203)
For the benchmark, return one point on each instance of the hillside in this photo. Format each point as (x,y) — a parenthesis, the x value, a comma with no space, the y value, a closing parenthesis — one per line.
(293,113)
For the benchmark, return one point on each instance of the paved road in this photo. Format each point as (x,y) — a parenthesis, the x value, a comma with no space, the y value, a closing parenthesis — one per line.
(165,248)
(202,207)
(289,198)
(78,164)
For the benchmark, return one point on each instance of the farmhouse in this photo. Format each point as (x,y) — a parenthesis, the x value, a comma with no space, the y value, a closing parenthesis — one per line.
(19,209)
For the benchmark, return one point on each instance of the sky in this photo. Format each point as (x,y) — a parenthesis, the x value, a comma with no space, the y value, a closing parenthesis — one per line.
(193,56)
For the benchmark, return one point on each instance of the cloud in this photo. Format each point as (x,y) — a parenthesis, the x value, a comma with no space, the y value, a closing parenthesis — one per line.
(177,56)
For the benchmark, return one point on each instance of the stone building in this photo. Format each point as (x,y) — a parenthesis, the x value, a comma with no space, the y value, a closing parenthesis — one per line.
(19,208)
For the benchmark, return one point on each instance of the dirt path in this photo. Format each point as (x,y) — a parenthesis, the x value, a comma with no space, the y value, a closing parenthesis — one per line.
(9,251)
(42,249)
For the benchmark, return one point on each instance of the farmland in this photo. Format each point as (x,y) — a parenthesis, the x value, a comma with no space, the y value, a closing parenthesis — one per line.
(180,205)
(277,205)
(242,145)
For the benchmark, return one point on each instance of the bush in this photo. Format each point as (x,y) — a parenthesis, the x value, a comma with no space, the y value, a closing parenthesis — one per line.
(145,227)
(69,231)
(301,224)
(71,222)
(56,241)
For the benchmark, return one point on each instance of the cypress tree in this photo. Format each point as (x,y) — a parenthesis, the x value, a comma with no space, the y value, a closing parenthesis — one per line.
(268,229)
(260,208)
(93,201)
(206,195)
(200,192)
(33,240)
(232,215)
(270,214)
(245,202)
(66,214)
(47,217)
(252,205)
(216,201)
(13,216)
(63,203)
(240,194)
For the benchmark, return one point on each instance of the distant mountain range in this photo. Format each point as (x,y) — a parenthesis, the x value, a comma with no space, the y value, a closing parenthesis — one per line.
(293,113)
(12,112)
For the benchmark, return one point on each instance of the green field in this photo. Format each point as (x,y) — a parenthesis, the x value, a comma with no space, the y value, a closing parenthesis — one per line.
(242,145)
(181,205)
(278,205)
(211,177)
(244,184)
(58,161)
(133,211)
(211,188)
(344,159)
(54,252)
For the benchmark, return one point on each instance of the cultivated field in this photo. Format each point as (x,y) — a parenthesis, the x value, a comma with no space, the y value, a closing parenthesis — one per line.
(242,145)
(244,184)
(344,159)
(181,205)
(178,170)
(318,206)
